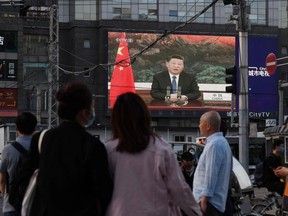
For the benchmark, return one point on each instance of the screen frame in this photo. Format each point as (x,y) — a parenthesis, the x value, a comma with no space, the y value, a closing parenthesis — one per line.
(176,111)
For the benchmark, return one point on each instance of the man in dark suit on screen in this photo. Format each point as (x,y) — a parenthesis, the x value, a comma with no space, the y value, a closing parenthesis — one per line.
(174,83)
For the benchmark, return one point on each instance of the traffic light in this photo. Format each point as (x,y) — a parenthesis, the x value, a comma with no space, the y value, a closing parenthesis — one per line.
(231,78)
(227,2)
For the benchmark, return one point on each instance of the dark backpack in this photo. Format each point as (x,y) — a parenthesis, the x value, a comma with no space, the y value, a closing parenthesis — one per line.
(16,190)
(259,171)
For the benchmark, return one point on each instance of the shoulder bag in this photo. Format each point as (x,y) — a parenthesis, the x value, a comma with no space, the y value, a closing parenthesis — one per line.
(30,191)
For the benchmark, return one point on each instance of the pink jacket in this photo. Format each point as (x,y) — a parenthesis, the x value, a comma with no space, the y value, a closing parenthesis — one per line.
(144,183)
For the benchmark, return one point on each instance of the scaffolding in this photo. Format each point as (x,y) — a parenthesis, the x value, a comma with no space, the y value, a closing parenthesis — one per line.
(53,72)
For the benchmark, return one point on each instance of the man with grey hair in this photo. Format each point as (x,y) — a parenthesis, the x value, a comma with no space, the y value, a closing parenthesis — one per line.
(212,175)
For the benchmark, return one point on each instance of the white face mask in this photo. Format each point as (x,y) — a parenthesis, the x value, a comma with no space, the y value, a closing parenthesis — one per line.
(91,120)
(190,169)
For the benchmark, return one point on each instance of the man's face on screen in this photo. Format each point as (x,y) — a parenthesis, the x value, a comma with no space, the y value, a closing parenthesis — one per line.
(175,66)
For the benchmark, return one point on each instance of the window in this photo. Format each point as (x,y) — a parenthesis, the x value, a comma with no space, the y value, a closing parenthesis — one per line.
(87,43)
(179,138)
(173,13)
(189,138)
(85,9)
(116,11)
(258,12)
(122,9)
(183,10)
(284,50)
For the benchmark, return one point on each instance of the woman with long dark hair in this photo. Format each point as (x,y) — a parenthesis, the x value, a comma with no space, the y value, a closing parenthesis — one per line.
(146,174)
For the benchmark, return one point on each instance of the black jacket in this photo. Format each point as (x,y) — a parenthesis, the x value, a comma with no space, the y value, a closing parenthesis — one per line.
(74,177)
(187,81)
(272,161)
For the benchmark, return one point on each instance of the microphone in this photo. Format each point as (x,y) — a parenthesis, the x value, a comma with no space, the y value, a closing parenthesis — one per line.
(179,93)
(179,102)
(167,97)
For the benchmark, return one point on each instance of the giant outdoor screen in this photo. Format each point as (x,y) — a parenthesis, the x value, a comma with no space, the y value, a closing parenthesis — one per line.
(206,57)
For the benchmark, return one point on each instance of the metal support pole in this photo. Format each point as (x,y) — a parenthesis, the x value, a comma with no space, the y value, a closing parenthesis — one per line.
(281,101)
(38,104)
(53,72)
(243,94)
(281,115)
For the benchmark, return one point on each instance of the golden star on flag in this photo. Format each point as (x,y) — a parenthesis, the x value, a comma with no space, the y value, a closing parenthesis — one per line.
(119,52)
(121,68)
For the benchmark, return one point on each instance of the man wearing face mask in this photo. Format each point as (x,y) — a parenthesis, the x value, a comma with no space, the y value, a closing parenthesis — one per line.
(271,181)
(188,165)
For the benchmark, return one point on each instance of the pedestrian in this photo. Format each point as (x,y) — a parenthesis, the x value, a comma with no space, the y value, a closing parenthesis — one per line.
(212,175)
(188,166)
(25,125)
(177,80)
(233,182)
(282,171)
(74,178)
(146,174)
(271,181)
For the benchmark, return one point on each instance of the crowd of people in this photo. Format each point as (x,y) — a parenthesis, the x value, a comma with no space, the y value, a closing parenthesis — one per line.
(134,173)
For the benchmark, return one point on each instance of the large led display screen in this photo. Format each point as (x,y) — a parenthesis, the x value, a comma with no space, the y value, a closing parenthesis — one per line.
(139,57)
(206,58)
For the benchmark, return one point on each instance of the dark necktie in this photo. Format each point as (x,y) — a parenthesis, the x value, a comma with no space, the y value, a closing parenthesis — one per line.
(174,85)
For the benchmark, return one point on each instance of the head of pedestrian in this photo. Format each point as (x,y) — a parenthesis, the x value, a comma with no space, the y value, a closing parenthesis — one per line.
(75,103)
(131,123)
(187,160)
(278,146)
(209,123)
(26,123)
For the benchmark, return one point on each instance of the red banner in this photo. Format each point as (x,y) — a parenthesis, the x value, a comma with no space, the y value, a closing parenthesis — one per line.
(122,80)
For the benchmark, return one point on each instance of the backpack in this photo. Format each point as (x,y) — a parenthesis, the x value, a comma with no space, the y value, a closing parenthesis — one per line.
(259,172)
(15,189)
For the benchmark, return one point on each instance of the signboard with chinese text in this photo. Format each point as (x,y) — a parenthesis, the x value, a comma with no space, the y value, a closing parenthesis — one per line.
(8,41)
(263,87)
(8,99)
(8,70)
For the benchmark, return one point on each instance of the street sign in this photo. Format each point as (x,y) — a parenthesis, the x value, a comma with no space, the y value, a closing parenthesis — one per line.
(271,63)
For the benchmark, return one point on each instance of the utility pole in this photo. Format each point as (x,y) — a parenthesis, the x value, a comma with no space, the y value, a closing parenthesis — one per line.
(53,72)
(243,24)
(282,85)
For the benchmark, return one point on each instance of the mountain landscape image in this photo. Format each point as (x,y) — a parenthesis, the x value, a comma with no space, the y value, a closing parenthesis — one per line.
(205,56)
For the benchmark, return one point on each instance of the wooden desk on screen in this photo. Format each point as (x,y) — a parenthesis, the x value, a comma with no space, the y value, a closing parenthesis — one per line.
(155,104)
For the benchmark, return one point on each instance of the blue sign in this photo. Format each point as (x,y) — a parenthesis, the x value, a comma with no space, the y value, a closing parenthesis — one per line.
(263,88)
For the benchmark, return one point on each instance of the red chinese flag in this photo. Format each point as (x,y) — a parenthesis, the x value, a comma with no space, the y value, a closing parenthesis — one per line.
(122,80)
